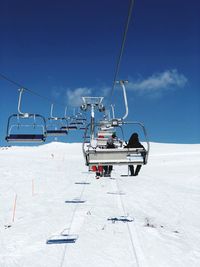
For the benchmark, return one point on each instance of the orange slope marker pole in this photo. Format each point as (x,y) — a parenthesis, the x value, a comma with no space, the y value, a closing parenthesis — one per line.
(14,208)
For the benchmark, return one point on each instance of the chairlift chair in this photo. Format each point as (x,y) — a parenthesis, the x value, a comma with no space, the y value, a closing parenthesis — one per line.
(14,129)
(17,123)
(96,153)
(56,129)
(75,123)
(57,126)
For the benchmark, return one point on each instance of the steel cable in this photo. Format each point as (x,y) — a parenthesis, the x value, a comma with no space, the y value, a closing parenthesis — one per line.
(122,47)
(29,90)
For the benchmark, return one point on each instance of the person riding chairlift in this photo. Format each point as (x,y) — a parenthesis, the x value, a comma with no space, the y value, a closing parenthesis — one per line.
(134,143)
(106,170)
(110,144)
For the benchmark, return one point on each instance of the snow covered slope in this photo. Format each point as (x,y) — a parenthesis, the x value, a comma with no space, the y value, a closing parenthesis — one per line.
(55,196)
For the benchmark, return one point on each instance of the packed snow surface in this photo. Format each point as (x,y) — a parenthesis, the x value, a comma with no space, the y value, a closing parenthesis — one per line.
(47,193)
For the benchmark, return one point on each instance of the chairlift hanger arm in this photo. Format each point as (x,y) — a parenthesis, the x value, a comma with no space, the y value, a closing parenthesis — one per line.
(51,113)
(65,115)
(113,111)
(122,83)
(52,117)
(24,114)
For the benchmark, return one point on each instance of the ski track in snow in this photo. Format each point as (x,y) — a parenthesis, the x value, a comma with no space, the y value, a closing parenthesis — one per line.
(164,201)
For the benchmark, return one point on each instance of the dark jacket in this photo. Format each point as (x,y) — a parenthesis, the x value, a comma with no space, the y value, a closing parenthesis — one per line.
(134,142)
(110,143)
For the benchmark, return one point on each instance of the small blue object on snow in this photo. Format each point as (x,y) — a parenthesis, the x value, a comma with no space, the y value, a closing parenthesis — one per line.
(116,193)
(121,219)
(75,200)
(82,183)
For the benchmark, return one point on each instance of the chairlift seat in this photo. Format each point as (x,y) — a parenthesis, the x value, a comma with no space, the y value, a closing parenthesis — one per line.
(116,156)
(57,132)
(25,138)
(72,127)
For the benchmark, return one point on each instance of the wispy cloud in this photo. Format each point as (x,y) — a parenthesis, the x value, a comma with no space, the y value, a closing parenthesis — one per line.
(57,92)
(159,82)
(104,91)
(74,96)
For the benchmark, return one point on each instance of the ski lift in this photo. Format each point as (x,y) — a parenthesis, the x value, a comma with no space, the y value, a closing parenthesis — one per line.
(57,125)
(96,153)
(67,126)
(80,117)
(92,103)
(77,121)
(81,120)
(19,123)
(72,124)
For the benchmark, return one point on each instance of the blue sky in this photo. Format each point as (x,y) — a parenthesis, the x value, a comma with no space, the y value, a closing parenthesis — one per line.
(65,49)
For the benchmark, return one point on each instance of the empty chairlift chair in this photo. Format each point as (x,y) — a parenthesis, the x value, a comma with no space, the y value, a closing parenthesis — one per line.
(21,129)
(25,127)
(56,126)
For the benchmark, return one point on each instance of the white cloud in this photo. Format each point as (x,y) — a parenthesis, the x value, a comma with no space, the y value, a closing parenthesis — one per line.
(159,82)
(74,96)
(56,93)
(104,91)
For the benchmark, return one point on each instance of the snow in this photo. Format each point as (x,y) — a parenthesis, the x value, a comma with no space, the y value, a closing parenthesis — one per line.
(55,195)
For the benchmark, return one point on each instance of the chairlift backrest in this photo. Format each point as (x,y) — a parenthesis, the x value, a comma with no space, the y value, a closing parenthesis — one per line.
(58,125)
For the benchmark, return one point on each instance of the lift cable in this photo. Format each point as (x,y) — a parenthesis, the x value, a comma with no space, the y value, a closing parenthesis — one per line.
(122,46)
(116,71)
(29,90)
